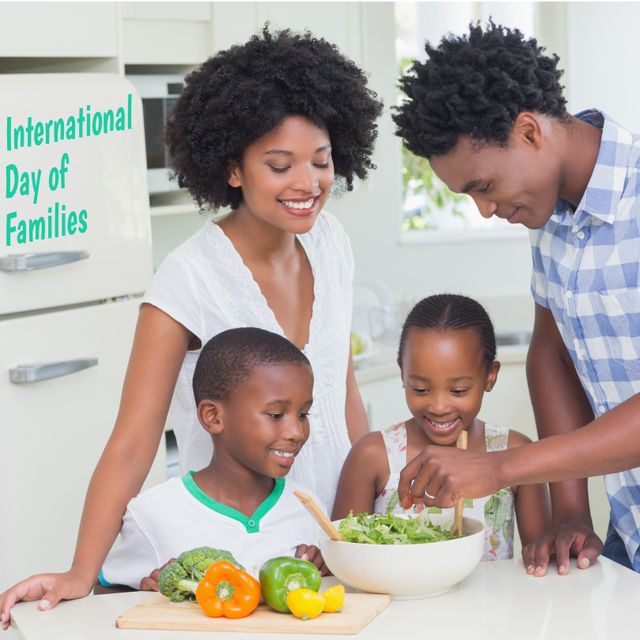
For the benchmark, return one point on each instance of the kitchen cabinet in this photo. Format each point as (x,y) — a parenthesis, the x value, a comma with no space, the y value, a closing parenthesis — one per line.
(58,29)
(339,22)
(167,33)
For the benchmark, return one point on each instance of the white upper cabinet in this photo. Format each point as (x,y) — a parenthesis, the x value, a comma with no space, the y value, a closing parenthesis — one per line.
(166,33)
(339,22)
(58,29)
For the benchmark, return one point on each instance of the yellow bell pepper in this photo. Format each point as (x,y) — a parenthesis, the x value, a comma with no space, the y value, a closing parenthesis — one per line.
(305,603)
(333,599)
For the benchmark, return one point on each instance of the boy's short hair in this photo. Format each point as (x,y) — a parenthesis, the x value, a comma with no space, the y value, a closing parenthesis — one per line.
(242,93)
(476,85)
(230,356)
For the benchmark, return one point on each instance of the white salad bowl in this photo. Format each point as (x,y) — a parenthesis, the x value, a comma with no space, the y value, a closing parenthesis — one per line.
(407,571)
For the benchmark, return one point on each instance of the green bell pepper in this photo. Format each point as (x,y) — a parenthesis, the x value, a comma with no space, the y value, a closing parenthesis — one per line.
(278,576)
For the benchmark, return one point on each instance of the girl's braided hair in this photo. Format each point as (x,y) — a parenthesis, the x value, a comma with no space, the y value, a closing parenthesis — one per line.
(451,311)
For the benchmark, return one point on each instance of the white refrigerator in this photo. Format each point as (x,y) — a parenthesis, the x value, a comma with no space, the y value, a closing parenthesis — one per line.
(75,257)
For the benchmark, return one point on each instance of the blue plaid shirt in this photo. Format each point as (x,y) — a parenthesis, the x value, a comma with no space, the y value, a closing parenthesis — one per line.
(586,271)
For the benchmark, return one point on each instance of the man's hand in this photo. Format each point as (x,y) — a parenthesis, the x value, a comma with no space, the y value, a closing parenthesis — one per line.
(574,538)
(312,554)
(441,475)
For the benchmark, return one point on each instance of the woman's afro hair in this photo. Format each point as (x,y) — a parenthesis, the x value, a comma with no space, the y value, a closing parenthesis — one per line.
(244,92)
(475,85)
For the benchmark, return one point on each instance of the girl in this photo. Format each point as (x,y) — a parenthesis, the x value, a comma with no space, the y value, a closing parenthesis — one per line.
(447,361)
(263,128)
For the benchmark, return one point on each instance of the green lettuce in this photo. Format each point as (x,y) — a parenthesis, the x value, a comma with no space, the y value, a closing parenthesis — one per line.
(389,529)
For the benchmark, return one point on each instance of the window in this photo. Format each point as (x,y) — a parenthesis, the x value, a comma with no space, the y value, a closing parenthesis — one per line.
(430,210)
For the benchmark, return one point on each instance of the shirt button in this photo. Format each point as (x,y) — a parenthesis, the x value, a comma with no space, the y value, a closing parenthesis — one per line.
(569,293)
(602,408)
(580,235)
(252,523)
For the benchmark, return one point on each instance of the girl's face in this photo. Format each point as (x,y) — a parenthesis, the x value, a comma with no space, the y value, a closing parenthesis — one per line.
(286,175)
(265,421)
(444,376)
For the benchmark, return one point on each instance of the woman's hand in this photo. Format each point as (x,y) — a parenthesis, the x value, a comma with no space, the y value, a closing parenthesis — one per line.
(442,475)
(312,554)
(49,588)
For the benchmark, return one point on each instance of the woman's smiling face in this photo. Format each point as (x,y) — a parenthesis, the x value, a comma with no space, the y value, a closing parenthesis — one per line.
(286,175)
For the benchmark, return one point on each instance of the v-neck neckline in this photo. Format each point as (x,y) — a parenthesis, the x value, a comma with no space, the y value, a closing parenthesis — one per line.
(250,523)
(258,291)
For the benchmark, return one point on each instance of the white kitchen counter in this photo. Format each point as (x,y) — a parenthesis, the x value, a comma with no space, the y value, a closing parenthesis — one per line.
(497,602)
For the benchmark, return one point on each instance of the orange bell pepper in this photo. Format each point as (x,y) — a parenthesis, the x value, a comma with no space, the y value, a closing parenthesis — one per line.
(227,591)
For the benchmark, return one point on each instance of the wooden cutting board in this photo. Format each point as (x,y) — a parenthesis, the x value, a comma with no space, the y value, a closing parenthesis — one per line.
(159,613)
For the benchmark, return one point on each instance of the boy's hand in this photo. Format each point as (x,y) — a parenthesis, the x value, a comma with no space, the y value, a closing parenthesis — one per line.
(49,588)
(312,554)
(150,583)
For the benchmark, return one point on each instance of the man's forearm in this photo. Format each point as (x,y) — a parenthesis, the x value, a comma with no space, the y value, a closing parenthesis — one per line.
(608,444)
(560,406)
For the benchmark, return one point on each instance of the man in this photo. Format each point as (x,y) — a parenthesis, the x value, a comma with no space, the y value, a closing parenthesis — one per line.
(487,110)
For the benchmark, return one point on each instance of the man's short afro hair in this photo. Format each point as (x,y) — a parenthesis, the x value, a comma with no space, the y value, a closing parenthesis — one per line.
(228,359)
(244,92)
(475,85)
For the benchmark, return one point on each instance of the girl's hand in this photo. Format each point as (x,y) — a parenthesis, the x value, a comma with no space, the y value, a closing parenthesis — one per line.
(312,554)
(49,588)
(150,583)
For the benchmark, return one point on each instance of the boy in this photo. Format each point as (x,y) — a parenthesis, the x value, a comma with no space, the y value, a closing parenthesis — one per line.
(253,391)
(487,110)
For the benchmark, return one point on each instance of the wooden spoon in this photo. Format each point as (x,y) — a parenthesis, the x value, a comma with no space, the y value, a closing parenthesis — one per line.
(313,508)
(457,512)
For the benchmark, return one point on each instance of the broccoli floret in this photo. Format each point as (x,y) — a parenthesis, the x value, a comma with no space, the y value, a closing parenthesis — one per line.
(178,580)
(176,584)
(196,561)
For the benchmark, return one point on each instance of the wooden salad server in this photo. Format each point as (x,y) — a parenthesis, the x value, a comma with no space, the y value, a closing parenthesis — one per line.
(457,512)
(313,508)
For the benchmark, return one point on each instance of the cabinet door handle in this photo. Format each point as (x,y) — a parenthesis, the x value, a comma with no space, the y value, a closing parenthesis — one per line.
(31,261)
(27,373)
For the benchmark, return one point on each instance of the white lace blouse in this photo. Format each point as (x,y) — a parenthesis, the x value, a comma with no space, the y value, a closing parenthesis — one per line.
(206,287)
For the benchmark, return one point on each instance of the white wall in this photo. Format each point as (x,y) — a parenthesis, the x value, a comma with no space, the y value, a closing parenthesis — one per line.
(372,216)
(603,50)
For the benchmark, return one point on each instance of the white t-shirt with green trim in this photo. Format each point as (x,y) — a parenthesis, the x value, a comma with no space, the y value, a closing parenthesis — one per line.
(177,515)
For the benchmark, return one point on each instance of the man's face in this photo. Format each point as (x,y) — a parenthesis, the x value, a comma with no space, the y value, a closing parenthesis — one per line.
(519,182)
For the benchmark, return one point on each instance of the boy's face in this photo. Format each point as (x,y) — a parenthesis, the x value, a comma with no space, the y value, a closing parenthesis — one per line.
(519,182)
(265,422)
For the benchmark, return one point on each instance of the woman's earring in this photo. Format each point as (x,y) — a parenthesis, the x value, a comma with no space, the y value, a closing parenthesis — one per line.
(488,389)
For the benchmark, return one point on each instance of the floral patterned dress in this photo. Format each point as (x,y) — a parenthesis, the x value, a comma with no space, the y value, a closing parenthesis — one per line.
(496,511)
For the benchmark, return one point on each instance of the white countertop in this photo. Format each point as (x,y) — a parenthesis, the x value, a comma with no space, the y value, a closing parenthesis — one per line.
(498,601)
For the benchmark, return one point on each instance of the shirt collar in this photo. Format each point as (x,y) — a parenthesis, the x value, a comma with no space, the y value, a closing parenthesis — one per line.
(606,185)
